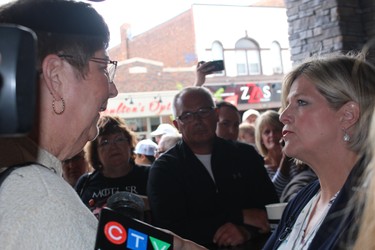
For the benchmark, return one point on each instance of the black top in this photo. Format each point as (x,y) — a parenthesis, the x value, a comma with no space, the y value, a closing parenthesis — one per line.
(185,199)
(94,188)
(338,227)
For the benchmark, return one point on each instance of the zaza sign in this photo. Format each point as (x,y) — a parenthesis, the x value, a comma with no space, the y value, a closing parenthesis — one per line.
(148,104)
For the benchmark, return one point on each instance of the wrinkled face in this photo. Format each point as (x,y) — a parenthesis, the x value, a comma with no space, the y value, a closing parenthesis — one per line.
(85,99)
(271,137)
(311,127)
(199,130)
(228,125)
(113,150)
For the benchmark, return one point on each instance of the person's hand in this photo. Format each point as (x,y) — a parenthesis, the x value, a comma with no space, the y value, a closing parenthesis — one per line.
(180,243)
(258,218)
(230,234)
(203,69)
(184,244)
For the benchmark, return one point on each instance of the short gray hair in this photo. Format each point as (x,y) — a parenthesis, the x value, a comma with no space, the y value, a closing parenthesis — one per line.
(198,90)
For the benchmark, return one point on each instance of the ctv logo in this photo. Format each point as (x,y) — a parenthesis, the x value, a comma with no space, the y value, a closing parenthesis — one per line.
(136,240)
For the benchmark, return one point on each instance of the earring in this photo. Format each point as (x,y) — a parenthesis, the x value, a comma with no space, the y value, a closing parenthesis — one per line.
(346,136)
(62,107)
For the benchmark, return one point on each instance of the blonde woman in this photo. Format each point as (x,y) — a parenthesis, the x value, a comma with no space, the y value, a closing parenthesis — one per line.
(327,106)
(268,134)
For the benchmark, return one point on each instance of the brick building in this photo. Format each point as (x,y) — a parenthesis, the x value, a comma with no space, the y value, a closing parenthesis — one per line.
(153,66)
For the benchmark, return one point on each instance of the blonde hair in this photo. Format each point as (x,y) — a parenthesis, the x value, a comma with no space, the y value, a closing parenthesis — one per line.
(340,79)
(271,118)
(365,199)
(247,128)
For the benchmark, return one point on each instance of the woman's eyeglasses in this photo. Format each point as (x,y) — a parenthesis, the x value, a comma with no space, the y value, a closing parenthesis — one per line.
(104,143)
(111,65)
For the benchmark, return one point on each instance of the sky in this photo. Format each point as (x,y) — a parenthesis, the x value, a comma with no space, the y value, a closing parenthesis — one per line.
(144,14)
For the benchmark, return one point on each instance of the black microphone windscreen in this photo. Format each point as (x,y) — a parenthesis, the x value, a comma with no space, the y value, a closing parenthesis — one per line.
(128,204)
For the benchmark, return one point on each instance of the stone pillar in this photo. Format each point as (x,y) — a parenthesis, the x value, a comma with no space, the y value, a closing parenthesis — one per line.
(324,26)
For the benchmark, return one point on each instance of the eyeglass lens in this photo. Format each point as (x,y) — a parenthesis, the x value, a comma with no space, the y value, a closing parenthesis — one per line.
(202,113)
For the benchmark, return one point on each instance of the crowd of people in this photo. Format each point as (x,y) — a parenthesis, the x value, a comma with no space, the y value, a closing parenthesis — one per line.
(205,180)
(208,189)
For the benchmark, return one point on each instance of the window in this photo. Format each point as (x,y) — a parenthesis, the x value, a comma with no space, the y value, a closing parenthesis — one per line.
(143,126)
(217,51)
(217,54)
(277,66)
(247,57)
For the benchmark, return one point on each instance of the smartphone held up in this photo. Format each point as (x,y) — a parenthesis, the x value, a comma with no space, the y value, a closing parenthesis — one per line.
(211,66)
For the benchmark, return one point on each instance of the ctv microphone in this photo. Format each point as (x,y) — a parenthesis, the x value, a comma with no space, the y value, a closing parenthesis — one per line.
(128,204)
(120,226)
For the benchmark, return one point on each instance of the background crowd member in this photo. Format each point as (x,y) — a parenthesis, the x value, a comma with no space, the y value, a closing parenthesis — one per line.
(229,116)
(162,129)
(267,137)
(111,154)
(144,152)
(246,133)
(201,189)
(280,168)
(166,142)
(304,177)
(229,121)
(327,105)
(250,116)
(75,167)
(39,209)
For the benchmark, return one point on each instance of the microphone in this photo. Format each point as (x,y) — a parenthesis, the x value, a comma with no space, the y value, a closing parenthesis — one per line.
(128,204)
(121,226)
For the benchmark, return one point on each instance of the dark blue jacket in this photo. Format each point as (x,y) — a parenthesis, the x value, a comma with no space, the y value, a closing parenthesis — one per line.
(184,198)
(336,227)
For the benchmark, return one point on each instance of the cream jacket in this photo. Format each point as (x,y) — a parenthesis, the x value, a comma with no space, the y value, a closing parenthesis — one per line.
(38,209)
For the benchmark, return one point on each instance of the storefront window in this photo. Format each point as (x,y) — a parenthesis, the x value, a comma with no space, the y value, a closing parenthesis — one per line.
(154,123)
(143,126)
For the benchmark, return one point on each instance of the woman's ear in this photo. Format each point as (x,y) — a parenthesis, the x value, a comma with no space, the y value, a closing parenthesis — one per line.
(52,67)
(350,114)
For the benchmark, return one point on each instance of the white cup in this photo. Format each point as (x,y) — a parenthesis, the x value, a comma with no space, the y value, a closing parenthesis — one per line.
(274,213)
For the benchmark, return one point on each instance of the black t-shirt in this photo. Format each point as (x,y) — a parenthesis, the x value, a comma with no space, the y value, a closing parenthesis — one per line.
(94,188)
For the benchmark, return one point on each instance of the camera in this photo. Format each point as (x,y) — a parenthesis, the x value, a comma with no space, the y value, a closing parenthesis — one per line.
(17,79)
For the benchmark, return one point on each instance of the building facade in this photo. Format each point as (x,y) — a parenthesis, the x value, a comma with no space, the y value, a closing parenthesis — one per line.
(155,65)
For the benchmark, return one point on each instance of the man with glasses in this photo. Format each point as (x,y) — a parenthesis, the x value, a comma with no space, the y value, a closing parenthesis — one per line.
(204,188)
